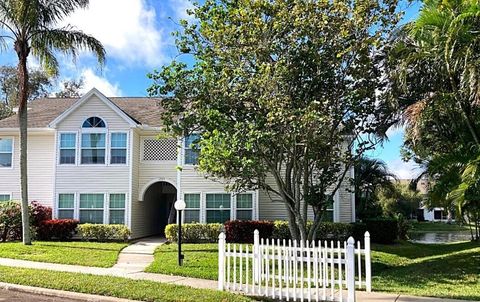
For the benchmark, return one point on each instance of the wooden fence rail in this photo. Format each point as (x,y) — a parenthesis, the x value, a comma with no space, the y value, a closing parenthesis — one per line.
(291,270)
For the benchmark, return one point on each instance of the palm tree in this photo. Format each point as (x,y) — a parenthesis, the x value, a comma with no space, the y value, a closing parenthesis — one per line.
(32,27)
(435,60)
(370,175)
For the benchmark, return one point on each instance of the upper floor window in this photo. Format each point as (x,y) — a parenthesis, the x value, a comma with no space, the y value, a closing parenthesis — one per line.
(68,144)
(93,148)
(93,122)
(191,149)
(6,152)
(118,148)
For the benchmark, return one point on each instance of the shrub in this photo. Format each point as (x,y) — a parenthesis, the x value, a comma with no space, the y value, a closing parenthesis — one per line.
(10,220)
(104,232)
(39,213)
(61,229)
(382,230)
(326,231)
(241,231)
(194,232)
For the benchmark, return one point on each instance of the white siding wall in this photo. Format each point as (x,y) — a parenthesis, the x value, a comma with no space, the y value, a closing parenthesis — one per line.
(40,168)
(93,178)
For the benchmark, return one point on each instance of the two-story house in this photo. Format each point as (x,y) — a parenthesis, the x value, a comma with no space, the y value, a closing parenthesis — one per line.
(99,160)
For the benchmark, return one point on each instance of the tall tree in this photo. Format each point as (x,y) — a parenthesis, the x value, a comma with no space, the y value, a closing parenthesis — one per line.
(280,88)
(32,26)
(71,89)
(39,85)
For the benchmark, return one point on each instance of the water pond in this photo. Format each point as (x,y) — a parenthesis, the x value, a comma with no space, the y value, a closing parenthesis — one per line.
(440,237)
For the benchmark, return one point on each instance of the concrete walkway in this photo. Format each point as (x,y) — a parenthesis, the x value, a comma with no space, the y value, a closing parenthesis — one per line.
(137,256)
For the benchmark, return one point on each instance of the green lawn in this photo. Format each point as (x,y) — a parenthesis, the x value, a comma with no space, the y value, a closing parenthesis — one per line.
(81,253)
(116,286)
(437,270)
(424,227)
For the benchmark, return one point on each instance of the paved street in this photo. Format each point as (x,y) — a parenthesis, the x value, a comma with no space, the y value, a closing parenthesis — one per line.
(13,296)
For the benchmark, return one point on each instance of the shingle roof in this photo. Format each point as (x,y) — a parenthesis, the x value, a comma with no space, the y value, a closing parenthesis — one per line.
(145,111)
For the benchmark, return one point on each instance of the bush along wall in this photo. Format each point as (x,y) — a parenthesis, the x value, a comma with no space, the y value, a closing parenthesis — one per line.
(241,231)
(11,219)
(60,229)
(104,232)
(195,232)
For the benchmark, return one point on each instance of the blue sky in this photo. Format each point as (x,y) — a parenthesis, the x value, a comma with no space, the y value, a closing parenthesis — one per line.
(137,37)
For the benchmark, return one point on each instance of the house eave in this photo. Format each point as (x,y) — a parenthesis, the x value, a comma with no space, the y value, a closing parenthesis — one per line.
(30,130)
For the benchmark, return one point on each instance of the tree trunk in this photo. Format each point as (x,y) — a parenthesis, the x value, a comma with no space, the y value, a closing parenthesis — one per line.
(22,50)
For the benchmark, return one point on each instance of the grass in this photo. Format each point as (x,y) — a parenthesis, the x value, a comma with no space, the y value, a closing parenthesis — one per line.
(425,227)
(436,270)
(79,253)
(200,261)
(116,286)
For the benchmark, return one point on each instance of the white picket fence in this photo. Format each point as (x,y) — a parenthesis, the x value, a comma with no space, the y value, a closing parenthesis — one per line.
(287,270)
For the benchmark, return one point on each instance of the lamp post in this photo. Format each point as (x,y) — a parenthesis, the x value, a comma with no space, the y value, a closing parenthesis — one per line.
(180,205)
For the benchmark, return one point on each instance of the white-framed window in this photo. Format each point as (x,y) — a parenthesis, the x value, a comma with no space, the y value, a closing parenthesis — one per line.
(218,207)
(192,210)
(91,208)
(117,208)
(66,206)
(191,149)
(93,148)
(5,197)
(6,152)
(67,148)
(244,209)
(118,148)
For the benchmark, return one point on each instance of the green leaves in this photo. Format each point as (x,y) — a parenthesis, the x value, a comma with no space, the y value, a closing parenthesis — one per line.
(280,90)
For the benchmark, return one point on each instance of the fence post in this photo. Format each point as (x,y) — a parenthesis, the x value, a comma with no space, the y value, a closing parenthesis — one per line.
(368,264)
(221,261)
(256,256)
(350,269)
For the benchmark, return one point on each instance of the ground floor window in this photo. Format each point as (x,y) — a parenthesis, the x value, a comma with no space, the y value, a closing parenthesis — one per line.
(192,211)
(91,208)
(218,207)
(5,197)
(66,206)
(328,215)
(244,206)
(117,209)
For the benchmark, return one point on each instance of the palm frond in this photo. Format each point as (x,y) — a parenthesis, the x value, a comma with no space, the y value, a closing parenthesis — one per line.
(68,41)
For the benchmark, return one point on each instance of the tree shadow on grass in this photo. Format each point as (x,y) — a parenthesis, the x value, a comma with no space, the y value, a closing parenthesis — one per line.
(456,276)
(412,250)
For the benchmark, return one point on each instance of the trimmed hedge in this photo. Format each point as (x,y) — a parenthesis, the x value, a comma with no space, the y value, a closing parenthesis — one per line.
(61,229)
(326,231)
(104,232)
(195,232)
(241,231)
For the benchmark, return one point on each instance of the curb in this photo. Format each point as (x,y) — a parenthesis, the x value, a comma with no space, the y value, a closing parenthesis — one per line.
(60,293)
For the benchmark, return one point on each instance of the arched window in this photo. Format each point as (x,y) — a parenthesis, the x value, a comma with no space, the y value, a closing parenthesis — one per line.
(93,122)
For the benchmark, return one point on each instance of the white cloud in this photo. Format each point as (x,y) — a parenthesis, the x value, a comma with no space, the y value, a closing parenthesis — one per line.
(91,80)
(127,28)
(393,131)
(180,8)
(403,170)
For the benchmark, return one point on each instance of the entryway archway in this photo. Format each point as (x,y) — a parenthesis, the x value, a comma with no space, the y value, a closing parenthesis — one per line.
(159,199)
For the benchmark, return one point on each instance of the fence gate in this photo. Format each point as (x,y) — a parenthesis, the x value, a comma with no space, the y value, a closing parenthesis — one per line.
(291,270)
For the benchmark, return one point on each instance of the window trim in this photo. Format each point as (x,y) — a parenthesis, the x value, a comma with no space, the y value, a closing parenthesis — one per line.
(104,208)
(59,138)
(109,144)
(7,193)
(199,209)
(57,208)
(106,148)
(184,149)
(252,208)
(12,153)
(206,209)
(108,209)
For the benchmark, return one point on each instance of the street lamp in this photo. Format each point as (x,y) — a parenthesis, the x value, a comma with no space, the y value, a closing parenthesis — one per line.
(180,205)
